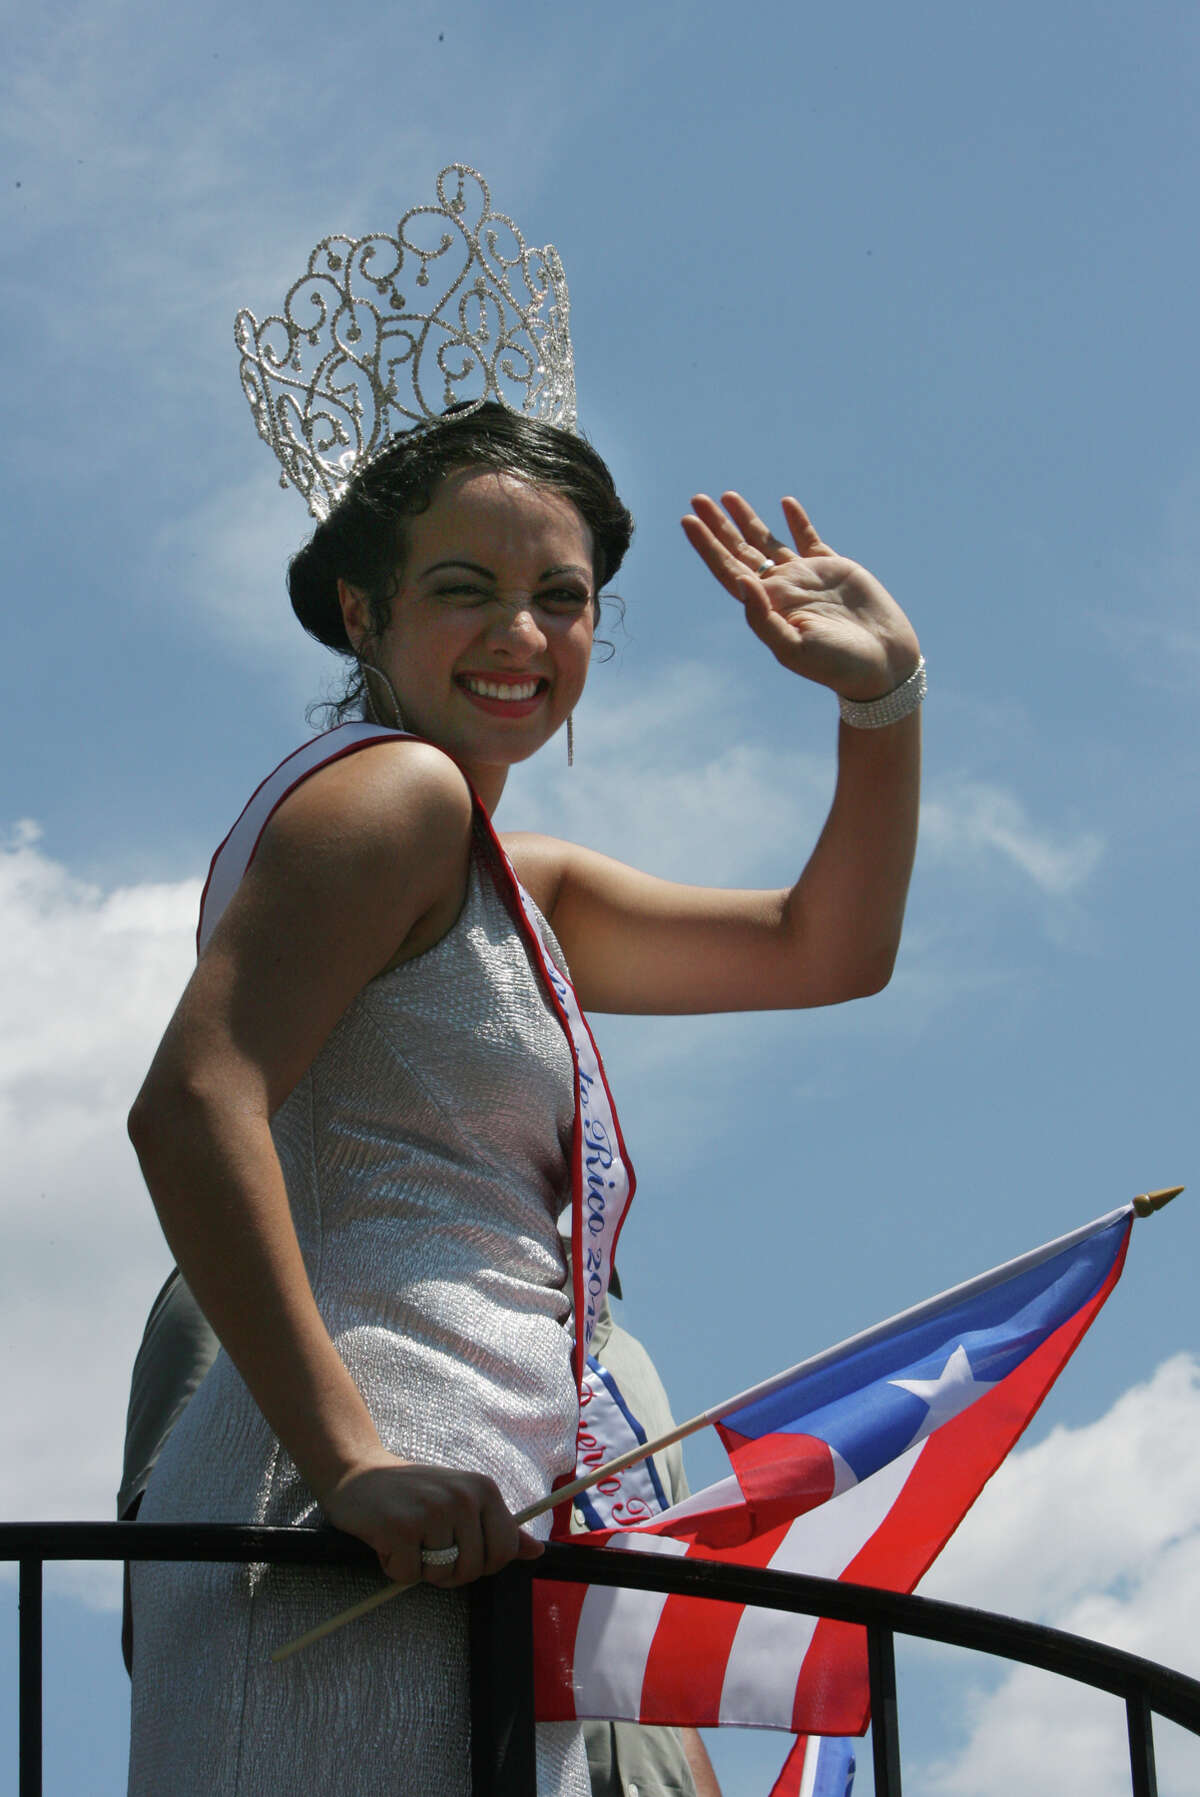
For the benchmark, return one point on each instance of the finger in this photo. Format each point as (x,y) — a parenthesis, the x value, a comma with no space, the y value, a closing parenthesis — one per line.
(501,1536)
(804,532)
(741,531)
(717,520)
(528,1546)
(472,1554)
(758,536)
(725,550)
(402,1563)
(715,556)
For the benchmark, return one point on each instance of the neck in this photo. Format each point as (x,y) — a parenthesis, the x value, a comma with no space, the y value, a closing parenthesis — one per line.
(488,781)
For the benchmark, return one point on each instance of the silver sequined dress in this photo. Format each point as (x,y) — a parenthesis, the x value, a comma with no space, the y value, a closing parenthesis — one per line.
(426,1155)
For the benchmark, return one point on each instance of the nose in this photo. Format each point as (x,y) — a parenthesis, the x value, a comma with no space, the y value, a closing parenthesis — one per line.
(515,630)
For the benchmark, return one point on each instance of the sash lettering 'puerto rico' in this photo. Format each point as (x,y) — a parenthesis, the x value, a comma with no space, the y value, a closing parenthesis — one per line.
(602,1180)
(607,1429)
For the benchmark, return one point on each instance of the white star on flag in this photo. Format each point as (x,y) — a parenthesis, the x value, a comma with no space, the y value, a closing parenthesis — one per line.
(954,1389)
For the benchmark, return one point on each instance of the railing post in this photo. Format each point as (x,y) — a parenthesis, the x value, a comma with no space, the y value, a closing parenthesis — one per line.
(1140,1719)
(29,1659)
(885,1722)
(503,1762)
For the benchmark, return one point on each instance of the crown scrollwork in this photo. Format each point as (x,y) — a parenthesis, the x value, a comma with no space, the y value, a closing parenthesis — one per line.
(357,354)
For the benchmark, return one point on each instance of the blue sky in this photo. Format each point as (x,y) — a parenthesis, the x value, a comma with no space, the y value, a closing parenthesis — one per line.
(931,268)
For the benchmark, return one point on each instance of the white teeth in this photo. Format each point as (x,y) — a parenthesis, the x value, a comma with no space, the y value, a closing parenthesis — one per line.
(493,689)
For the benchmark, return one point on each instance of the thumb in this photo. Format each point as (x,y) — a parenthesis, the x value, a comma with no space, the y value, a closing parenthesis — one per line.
(529,1547)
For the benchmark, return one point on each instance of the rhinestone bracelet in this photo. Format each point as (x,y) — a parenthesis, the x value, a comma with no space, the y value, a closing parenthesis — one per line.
(873,714)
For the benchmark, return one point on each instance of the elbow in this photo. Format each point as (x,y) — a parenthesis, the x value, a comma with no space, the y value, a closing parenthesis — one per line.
(877,974)
(139,1124)
(172,1109)
(148,1125)
(864,977)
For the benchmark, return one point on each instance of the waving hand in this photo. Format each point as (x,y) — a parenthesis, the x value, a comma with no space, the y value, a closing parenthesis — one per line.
(820,615)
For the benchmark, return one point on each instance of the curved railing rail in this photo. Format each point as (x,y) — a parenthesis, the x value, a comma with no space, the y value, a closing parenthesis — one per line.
(501,1633)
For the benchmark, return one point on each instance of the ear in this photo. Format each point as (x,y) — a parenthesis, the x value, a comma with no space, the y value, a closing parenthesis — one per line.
(356,613)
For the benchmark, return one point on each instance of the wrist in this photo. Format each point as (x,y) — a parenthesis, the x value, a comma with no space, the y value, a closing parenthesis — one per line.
(331,1455)
(889,707)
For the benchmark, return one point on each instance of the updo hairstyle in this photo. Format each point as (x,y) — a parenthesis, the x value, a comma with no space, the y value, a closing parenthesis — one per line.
(364,540)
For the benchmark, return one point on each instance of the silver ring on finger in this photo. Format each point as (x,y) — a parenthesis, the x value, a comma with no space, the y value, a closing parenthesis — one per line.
(439,1556)
(766,568)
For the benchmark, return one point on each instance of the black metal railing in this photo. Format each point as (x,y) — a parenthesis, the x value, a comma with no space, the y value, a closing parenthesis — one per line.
(501,1633)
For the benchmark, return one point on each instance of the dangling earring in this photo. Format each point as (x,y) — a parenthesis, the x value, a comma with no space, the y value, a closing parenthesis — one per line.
(570,739)
(367,667)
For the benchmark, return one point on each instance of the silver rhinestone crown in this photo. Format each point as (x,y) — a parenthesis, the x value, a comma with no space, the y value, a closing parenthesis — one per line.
(349,362)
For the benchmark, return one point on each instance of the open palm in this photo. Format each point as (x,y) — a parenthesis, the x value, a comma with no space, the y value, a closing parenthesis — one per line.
(821,615)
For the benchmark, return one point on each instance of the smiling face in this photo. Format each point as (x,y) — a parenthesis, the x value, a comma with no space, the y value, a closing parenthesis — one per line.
(491,626)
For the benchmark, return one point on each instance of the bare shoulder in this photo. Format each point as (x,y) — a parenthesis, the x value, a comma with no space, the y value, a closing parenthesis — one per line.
(388,799)
(382,836)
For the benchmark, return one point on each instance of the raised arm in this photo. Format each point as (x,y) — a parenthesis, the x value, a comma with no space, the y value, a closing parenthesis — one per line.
(362,867)
(640,944)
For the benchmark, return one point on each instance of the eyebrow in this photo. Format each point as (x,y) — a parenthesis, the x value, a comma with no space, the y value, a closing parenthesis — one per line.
(477,568)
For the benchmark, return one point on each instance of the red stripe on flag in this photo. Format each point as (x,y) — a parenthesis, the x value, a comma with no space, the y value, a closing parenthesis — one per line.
(685,1668)
(781,1474)
(955,1464)
(791,1774)
(556,1612)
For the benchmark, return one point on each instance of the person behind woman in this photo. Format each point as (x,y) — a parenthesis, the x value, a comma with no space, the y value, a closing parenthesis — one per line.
(358,1128)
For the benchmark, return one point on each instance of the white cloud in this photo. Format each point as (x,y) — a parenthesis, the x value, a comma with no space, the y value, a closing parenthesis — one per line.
(1095,1530)
(228,556)
(89,980)
(663,781)
(973,823)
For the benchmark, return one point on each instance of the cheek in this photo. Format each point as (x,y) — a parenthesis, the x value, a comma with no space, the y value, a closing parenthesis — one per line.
(424,650)
(579,655)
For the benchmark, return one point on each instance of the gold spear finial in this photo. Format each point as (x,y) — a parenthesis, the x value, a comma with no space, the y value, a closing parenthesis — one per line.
(1147,1202)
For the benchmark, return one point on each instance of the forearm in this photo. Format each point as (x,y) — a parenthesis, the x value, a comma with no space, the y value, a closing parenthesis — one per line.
(217,1186)
(704,1776)
(642,945)
(848,904)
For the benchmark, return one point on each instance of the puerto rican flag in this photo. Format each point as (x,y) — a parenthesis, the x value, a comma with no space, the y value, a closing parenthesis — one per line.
(856,1464)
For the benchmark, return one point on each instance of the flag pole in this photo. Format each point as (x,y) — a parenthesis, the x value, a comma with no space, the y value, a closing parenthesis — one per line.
(1144,1205)
(563,1495)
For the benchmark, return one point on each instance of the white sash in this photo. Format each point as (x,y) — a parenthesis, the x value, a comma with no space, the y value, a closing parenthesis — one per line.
(602,1180)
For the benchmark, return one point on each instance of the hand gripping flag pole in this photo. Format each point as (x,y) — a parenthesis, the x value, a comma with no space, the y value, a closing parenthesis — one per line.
(783,1435)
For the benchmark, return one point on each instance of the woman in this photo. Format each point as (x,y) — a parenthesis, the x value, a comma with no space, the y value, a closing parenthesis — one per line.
(357,1129)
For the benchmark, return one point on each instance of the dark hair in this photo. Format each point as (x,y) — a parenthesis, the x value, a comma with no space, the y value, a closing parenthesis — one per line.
(364,540)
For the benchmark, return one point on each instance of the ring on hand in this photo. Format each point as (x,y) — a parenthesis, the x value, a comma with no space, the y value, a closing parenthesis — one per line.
(767,568)
(439,1556)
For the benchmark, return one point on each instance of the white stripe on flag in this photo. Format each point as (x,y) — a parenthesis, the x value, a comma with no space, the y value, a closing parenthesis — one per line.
(768,1649)
(724,1494)
(844,1475)
(613,1637)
